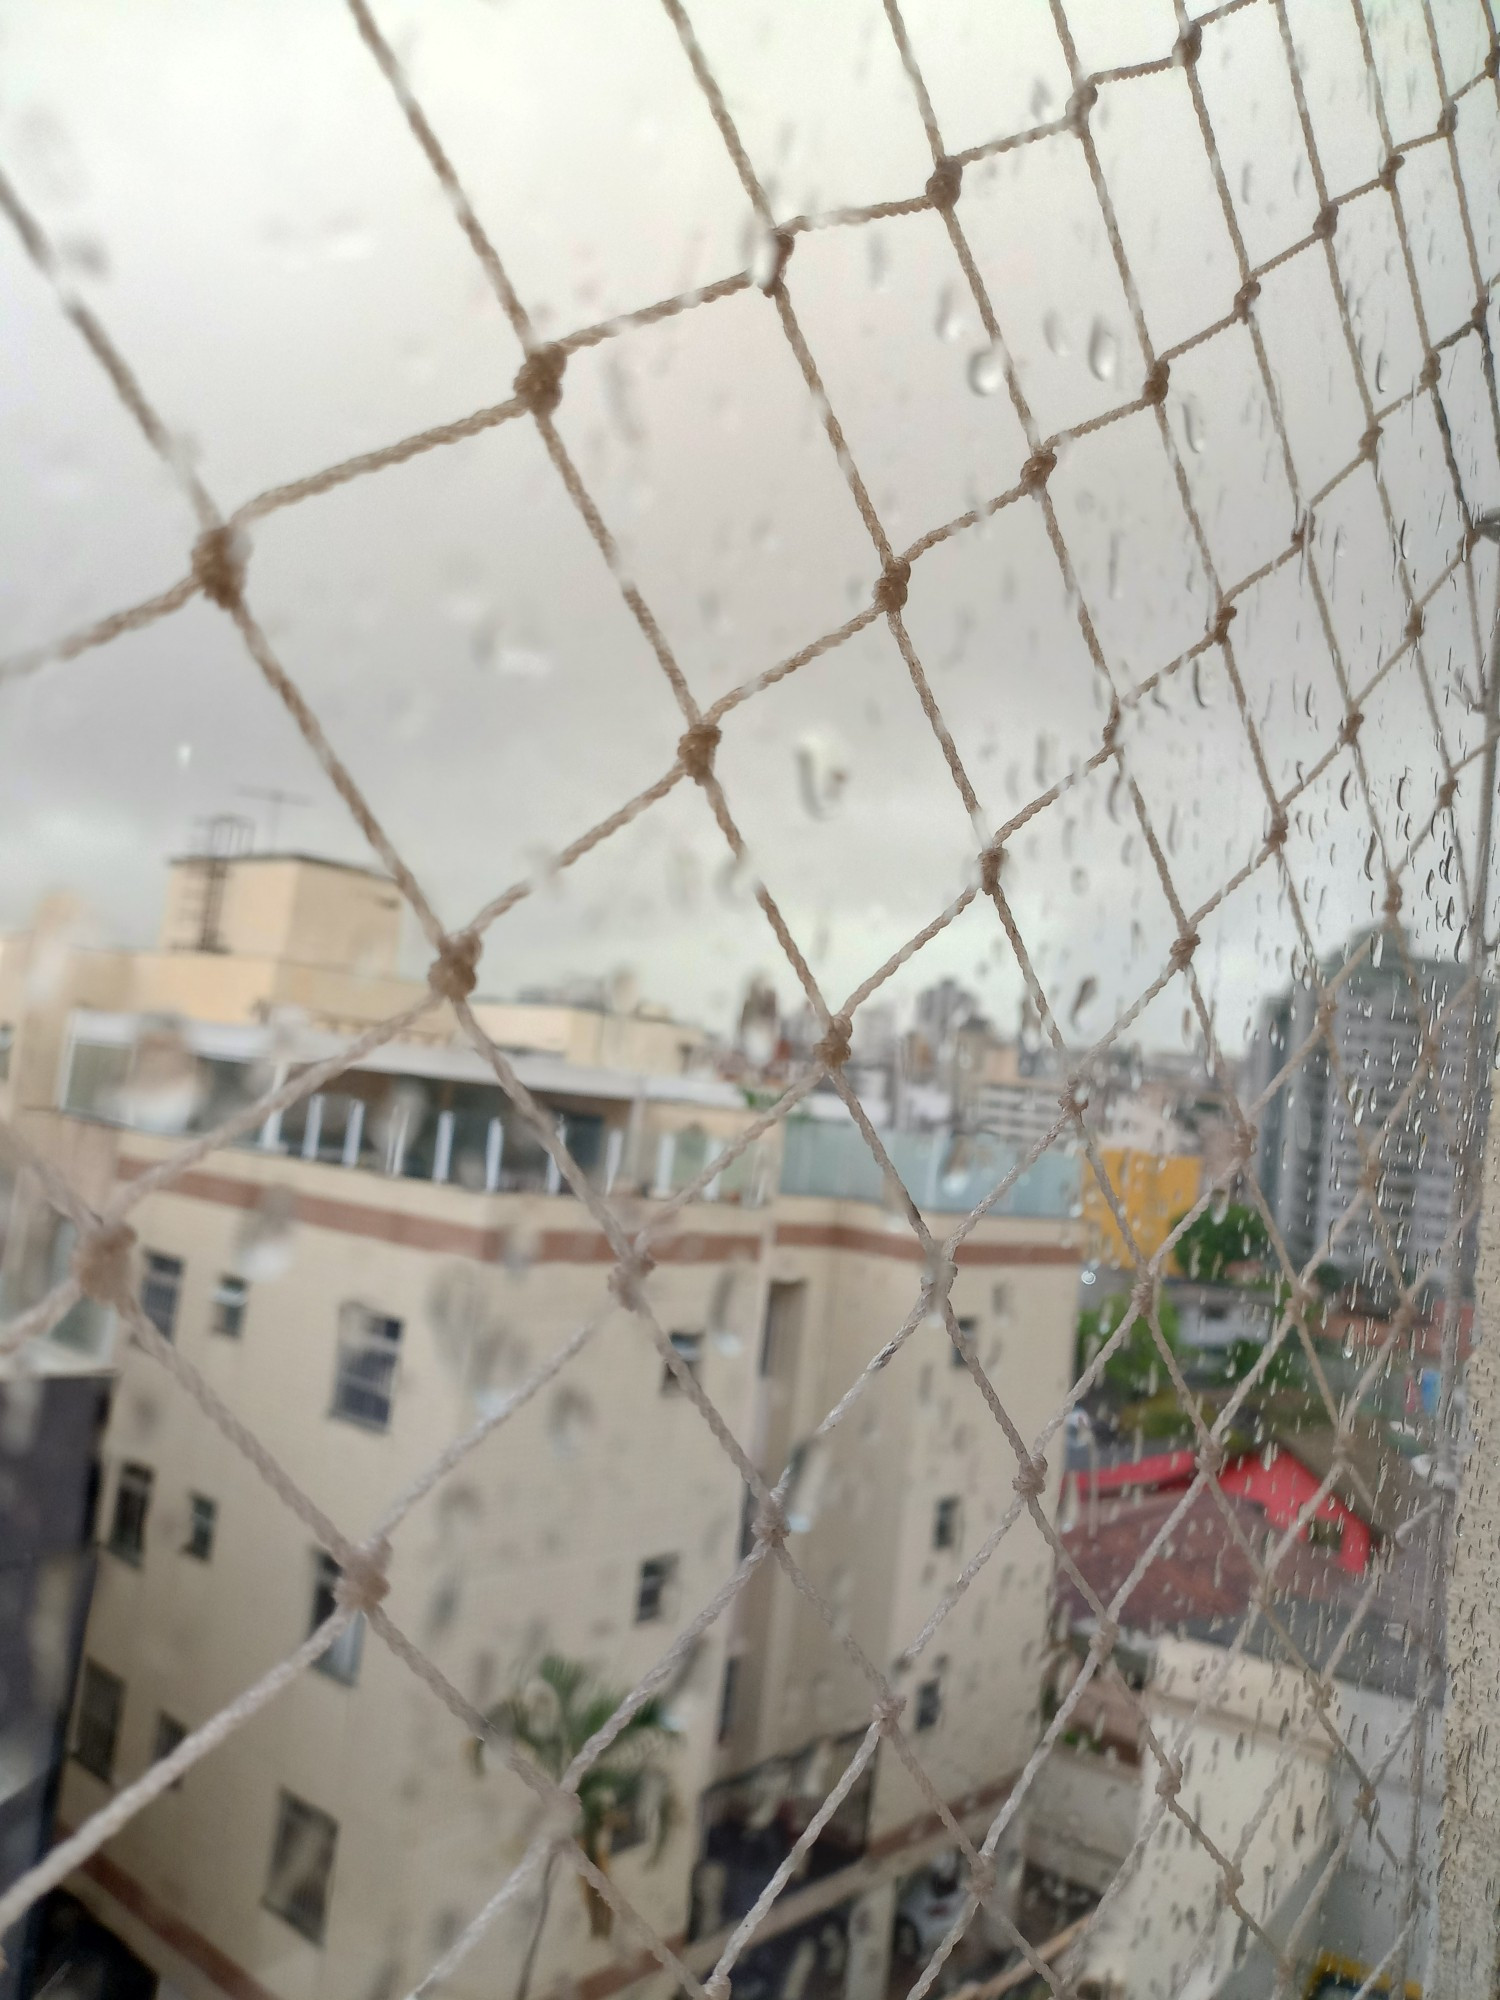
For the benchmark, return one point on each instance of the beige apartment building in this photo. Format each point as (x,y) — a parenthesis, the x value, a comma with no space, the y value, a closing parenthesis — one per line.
(363,1278)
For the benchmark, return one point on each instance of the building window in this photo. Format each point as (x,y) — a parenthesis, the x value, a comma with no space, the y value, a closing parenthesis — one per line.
(203,1517)
(127,1532)
(340,1661)
(161,1288)
(929,1704)
(364,1386)
(1000,1300)
(969,1328)
(689,1349)
(1324,1532)
(231,1296)
(658,1573)
(301,1866)
(727,1697)
(101,1699)
(169,1733)
(945,1520)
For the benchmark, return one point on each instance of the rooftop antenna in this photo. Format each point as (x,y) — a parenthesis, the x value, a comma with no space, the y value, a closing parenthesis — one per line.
(216,842)
(276,798)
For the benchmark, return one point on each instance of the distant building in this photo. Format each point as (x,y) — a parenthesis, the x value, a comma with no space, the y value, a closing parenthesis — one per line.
(1308,1160)
(1152,1190)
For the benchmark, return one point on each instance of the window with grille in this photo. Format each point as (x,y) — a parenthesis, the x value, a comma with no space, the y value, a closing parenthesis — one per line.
(127,1531)
(365,1380)
(301,1865)
(945,1522)
(231,1296)
(653,1588)
(161,1291)
(340,1660)
(203,1518)
(96,1734)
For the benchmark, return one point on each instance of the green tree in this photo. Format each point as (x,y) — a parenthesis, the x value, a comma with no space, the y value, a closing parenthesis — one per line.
(1136,1369)
(1217,1239)
(1287,1368)
(551,1716)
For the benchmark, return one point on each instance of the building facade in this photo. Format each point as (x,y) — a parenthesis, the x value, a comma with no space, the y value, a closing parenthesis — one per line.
(364,1278)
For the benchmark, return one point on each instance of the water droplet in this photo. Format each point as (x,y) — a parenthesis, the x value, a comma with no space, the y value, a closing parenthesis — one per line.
(1247,181)
(1088,986)
(950,320)
(821,776)
(1194,426)
(806,1487)
(1381,373)
(165,1083)
(570,1418)
(1053,334)
(1041,101)
(1104,352)
(985,371)
(267,1237)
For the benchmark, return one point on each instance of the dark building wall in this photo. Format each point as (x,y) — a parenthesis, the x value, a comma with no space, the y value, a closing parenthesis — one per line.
(49,1474)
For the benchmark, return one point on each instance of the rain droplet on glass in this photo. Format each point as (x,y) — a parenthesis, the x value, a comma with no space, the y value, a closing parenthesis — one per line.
(1104,352)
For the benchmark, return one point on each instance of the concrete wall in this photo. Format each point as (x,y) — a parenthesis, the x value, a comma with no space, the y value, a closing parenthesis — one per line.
(1083,1816)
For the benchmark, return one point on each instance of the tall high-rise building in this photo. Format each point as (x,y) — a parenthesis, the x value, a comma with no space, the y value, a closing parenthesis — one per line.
(1342,1093)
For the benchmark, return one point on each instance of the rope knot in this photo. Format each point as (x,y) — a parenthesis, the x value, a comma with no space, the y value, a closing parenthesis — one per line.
(1181,954)
(1369,442)
(539,379)
(696,748)
(1154,388)
(1245,297)
(1327,222)
(1190,45)
(1106,1636)
(1224,617)
(627,1277)
(1492,62)
(1353,722)
(1431,369)
(887,1712)
(1031,1481)
(1479,317)
(1234,1878)
(890,591)
(1211,1457)
(1080,104)
(776,254)
(1112,721)
(1392,905)
(991,861)
(944,183)
(1169,1784)
(1276,832)
(363,1583)
(455,971)
(1447,122)
(833,1051)
(1415,624)
(1038,469)
(1393,165)
(219,566)
(1074,1101)
(1447,792)
(771,1525)
(101,1264)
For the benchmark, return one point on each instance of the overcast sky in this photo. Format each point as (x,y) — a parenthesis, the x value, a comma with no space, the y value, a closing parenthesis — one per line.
(236,194)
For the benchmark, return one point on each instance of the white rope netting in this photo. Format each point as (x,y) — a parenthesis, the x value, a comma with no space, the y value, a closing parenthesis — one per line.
(221,569)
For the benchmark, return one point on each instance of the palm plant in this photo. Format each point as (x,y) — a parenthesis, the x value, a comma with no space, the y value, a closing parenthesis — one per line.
(551,1715)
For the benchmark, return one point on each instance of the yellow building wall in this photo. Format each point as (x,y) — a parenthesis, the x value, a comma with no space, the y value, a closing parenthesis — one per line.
(1151,1189)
